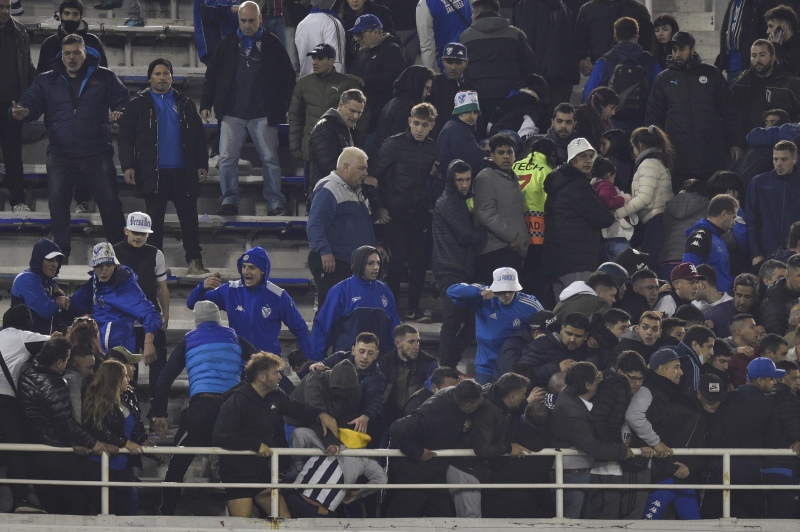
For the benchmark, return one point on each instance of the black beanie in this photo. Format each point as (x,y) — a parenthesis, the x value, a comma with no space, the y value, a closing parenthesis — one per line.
(157,62)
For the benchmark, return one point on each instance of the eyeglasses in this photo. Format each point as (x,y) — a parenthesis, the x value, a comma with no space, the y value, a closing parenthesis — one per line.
(634,379)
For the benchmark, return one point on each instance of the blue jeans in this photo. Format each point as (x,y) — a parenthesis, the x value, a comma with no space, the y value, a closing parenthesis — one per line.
(573,499)
(100,176)
(276,26)
(233,133)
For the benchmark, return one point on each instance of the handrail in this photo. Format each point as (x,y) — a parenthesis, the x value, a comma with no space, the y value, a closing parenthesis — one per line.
(275,484)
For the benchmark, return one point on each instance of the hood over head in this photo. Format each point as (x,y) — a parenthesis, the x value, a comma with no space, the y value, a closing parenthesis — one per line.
(343,379)
(257,256)
(450,177)
(411,82)
(359,259)
(44,249)
(578,287)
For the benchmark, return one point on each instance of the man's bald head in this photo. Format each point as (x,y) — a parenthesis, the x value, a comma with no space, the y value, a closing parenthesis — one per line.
(352,166)
(249,18)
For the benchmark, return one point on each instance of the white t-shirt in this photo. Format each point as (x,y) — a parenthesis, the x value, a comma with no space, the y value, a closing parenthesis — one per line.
(12,346)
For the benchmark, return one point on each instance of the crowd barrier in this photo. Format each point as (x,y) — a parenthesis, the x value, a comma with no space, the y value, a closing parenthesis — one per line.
(275,484)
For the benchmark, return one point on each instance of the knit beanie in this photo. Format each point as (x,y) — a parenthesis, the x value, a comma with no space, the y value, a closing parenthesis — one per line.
(155,63)
(205,311)
(466,101)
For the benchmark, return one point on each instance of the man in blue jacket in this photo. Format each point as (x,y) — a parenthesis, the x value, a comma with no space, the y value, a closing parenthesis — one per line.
(114,298)
(256,307)
(214,357)
(501,310)
(771,203)
(704,244)
(358,304)
(76,98)
(38,289)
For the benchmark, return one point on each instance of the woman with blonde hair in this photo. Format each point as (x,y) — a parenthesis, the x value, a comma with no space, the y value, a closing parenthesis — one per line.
(110,415)
(651,187)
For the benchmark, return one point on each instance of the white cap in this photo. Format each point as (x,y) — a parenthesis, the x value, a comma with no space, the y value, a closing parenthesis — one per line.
(103,253)
(505,280)
(53,254)
(139,222)
(577,146)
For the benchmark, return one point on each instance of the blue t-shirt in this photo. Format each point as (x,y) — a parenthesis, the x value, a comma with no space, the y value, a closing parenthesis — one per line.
(170,153)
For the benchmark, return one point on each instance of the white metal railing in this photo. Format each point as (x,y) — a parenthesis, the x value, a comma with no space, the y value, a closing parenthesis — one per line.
(275,484)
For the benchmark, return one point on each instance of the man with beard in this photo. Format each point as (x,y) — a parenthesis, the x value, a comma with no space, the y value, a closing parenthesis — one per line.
(689,101)
(642,294)
(447,84)
(745,299)
(562,129)
(553,352)
(705,245)
(766,85)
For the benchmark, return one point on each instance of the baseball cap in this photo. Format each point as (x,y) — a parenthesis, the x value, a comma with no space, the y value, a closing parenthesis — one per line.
(505,280)
(53,254)
(632,260)
(617,272)
(139,222)
(577,146)
(682,38)
(763,367)
(455,50)
(662,356)
(687,271)
(712,388)
(323,50)
(542,320)
(124,356)
(103,253)
(366,23)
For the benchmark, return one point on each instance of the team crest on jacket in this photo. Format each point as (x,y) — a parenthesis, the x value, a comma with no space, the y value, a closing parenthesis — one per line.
(245,258)
(516,323)
(266,311)
(385,301)
(703,80)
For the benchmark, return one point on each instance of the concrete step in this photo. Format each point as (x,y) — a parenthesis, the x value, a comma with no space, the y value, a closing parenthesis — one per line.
(681,6)
(695,22)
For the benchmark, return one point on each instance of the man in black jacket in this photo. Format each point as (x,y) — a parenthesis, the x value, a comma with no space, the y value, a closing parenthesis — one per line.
(553,352)
(748,419)
(455,235)
(782,32)
(249,84)
(784,470)
(689,101)
(406,368)
(573,218)
(780,297)
(44,396)
(438,424)
(162,118)
(448,83)
(70,12)
(333,133)
(403,167)
(608,417)
(642,337)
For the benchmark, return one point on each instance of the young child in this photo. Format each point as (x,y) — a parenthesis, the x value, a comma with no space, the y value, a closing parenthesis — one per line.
(615,145)
(617,237)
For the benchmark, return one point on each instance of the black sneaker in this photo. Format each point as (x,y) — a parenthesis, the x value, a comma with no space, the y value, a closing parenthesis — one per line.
(418,316)
(228,209)
(277,211)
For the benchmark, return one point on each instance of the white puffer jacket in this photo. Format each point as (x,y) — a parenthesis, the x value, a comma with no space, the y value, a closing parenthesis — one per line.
(651,188)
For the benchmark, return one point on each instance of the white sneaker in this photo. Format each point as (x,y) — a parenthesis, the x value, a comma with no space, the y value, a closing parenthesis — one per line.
(213,162)
(82,208)
(20,207)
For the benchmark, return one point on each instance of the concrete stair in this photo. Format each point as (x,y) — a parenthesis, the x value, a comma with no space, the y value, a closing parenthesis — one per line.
(701,18)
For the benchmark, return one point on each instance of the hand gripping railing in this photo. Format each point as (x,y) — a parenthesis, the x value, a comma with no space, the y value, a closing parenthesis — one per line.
(275,484)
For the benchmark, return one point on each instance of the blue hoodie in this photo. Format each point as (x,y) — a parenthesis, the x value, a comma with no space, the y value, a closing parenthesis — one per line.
(257,313)
(705,246)
(116,305)
(353,306)
(33,289)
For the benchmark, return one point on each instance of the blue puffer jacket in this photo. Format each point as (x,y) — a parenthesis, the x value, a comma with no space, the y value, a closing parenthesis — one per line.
(116,305)
(213,358)
(37,292)
(76,128)
(256,314)
(705,246)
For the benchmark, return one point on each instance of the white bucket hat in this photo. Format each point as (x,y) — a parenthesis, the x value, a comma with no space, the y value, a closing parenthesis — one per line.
(505,280)
(103,253)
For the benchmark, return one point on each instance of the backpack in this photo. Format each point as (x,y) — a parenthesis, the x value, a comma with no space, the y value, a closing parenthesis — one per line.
(630,81)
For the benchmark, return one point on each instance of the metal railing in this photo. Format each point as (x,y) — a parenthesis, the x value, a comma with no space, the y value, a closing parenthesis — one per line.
(559,486)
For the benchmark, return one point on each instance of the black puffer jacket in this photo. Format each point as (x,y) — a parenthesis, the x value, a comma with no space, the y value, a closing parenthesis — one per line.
(752,95)
(403,167)
(113,425)
(594,27)
(349,18)
(573,218)
(775,308)
(788,406)
(609,405)
(550,27)
(44,397)
(455,236)
(138,143)
(326,142)
(680,422)
(541,358)
(50,50)
(407,90)
(379,66)
(690,103)
(276,69)
(246,420)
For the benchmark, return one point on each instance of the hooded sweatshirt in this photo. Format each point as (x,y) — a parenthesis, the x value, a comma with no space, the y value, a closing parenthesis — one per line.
(407,91)
(256,313)
(353,306)
(581,298)
(33,289)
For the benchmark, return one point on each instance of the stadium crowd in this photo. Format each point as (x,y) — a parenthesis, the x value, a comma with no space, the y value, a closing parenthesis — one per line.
(628,268)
